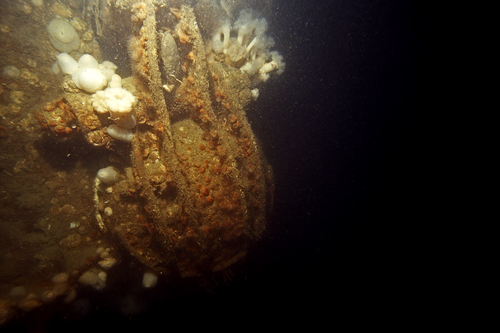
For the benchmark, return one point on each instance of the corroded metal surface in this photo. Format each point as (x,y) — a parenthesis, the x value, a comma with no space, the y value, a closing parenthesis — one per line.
(202,187)
(194,188)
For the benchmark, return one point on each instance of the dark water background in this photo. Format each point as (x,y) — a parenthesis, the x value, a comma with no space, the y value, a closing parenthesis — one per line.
(338,129)
(339,132)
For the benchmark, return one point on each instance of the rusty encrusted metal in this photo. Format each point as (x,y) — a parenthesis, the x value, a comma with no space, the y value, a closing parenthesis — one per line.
(202,188)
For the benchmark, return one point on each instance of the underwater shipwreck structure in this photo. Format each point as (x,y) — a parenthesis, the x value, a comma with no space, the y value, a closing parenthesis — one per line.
(158,92)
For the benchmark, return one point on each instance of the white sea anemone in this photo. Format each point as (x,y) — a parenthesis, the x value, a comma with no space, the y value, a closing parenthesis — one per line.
(11,72)
(89,79)
(276,64)
(255,93)
(120,133)
(63,36)
(220,40)
(108,175)
(246,46)
(149,279)
(88,61)
(87,74)
(67,64)
(108,69)
(116,81)
(94,277)
(118,101)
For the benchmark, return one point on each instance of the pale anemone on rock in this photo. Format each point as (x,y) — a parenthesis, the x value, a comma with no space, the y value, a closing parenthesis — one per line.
(88,61)
(149,279)
(116,81)
(89,79)
(108,69)
(87,74)
(67,64)
(11,72)
(118,102)
(94,278)
(108,175)
(63,36)
(119,133)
